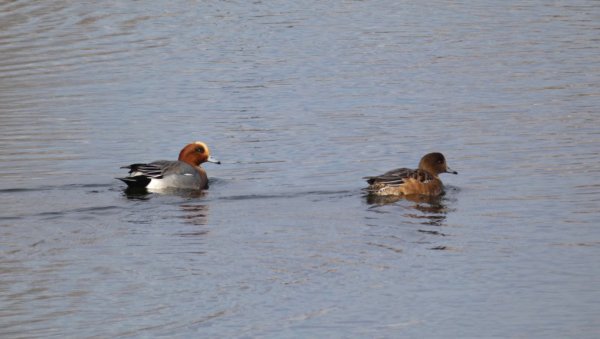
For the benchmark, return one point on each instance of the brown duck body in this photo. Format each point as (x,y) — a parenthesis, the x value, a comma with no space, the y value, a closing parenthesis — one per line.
(405,181)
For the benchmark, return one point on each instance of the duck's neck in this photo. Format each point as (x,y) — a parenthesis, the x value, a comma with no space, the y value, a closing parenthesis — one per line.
(189,160)
(435,174)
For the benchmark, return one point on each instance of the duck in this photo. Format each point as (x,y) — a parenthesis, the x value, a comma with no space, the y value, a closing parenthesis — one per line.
(185,173)
(405,181)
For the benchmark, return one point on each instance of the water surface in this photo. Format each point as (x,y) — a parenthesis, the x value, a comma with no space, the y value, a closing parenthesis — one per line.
(300,101)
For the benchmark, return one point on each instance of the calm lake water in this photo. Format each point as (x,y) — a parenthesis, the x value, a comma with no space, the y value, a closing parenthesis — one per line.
(300,100)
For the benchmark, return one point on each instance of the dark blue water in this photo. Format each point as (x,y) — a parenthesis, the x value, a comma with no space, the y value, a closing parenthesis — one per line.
(300,100)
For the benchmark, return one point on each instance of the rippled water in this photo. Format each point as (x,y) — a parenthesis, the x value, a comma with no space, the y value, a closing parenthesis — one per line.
(300,100)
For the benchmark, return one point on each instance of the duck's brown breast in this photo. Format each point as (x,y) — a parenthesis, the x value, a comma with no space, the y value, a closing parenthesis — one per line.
(414,186)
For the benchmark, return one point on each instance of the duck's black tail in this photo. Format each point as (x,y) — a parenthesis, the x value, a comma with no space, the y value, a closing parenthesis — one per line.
(138,181)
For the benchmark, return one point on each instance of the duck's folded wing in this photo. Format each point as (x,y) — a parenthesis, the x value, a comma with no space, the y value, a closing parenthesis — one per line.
(154,170)
(399,176)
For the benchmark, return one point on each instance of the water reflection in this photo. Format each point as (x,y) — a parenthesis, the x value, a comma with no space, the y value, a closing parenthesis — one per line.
(425,204)
(414,209)
(428,219)
(195,214)
(373,199)
(137,193)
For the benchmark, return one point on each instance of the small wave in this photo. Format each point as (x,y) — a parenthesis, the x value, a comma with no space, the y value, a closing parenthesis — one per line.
(52,188)
(288,195)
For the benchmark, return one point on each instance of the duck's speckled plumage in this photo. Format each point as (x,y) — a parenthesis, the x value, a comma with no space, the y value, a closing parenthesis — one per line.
(406,181)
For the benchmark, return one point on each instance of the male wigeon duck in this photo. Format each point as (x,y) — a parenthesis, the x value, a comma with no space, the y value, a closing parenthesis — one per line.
(183,173)
(406,181)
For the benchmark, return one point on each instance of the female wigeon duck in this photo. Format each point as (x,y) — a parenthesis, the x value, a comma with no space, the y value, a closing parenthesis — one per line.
(183,173)
(406,181)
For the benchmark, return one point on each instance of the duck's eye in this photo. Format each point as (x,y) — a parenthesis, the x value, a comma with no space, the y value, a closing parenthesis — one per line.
(440,161)
(200,149)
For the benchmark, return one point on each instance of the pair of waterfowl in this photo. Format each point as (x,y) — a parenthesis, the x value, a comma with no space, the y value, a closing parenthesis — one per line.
(187,173)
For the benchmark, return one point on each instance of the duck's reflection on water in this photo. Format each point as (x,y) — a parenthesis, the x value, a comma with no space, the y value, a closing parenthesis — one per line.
(425,204)
(137,193)
(133,193)
(427,211)
(193,213)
